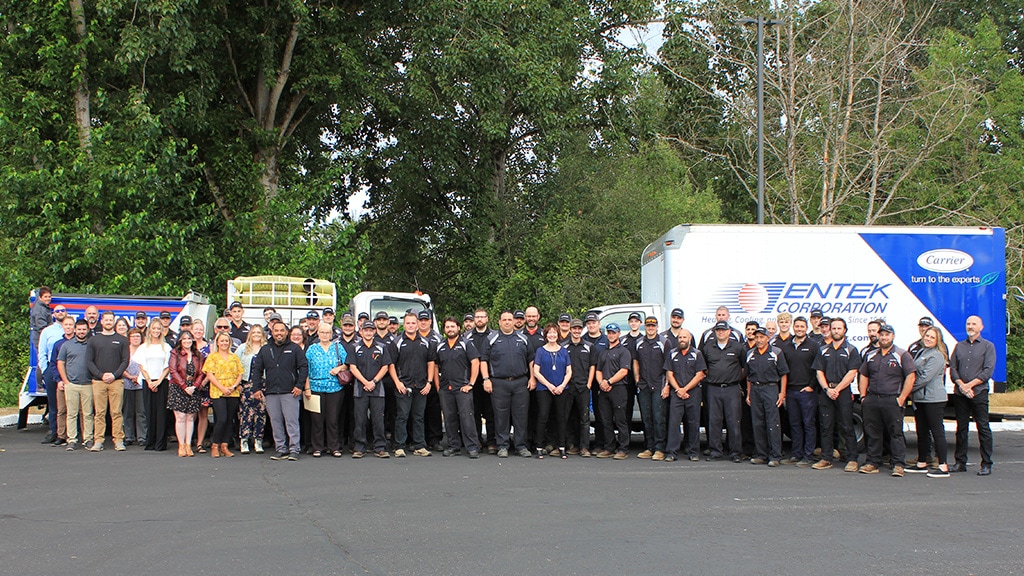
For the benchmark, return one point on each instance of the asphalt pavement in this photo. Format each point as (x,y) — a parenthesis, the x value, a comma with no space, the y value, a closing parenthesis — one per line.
(154,513)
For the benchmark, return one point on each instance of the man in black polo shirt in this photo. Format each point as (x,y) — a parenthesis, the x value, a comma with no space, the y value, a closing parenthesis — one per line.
(312,326)
(483,408)
(684,370)
(370,361)
(583,359)
(649,372)
(239,327)
(467,324)
(413,368)
(433,428)
(801,391)
(457,367)
(970,367)
(613,367)
(726,369)
(506,368)
(722,314)
(767,374)
(675,328)
(872,328)
(597,339)
(886,379)
(836,366)
(923,325)
(815,326)
(564,321)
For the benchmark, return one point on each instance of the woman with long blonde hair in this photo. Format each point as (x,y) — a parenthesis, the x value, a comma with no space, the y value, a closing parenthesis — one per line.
(252,413)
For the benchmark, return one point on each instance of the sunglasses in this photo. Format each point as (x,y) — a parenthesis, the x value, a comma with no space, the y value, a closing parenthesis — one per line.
(221,327)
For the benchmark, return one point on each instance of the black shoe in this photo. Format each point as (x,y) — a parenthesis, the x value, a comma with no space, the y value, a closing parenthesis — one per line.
(129,442)
(985,471)
(474,454)
(715,458)
(958,467)
(916,470)
(737,459)
(49,438)
(60,442)
(280,456)
(449,452)
(670,457)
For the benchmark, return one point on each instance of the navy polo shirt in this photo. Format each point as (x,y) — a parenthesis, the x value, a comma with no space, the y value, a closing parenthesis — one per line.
(582,357)
(612,360)
(369,360)
(886,372)
(507,356)
(766,367)
(685,366)
(411,357)
(837,362)
(650,356)
(725,365)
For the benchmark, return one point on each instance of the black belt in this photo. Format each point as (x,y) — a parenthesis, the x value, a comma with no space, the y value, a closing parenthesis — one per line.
(765,383)
(722,385)
(883,395)
(509,379)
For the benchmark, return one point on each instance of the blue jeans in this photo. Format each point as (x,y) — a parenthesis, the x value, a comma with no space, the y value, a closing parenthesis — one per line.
(802,409)
(652,412)
(412,403)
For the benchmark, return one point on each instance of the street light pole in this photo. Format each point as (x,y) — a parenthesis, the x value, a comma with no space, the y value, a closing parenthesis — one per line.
(761,22)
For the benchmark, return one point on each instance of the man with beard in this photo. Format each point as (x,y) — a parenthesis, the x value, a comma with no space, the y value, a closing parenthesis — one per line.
(684,370)
(836,366)
(457,367)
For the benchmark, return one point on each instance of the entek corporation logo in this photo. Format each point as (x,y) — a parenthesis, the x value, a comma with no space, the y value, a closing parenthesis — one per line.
(752,297)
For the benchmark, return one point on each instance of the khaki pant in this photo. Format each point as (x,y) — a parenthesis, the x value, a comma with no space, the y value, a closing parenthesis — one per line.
(79,399)
(62,416)
(102,395)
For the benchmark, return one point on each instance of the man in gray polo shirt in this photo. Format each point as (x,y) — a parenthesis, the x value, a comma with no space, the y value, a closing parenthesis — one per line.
(970,367)
(76,384)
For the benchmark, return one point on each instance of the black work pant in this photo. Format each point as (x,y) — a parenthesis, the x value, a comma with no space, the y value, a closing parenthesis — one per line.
(549,403)
(511,400)
(595,400)
(830,411)
(724,407)
(577,414)
(459,420)
(966,409)
(324,426)
(156,416)
(375,406)
(883,413)
(764,413)
(930,430)
(613,416)
(687,412)
(225,411)
(746,428)
(483,410)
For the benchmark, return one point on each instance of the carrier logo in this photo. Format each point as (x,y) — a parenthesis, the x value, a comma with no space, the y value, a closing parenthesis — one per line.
(945,260)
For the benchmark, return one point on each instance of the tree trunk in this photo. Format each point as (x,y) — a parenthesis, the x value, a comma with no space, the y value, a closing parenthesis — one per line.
(82,115)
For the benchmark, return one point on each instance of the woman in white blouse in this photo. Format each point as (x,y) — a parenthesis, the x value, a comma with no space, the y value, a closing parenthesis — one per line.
(152,357)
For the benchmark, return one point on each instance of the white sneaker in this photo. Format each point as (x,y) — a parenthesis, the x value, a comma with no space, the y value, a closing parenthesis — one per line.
(244,446)
(258,446)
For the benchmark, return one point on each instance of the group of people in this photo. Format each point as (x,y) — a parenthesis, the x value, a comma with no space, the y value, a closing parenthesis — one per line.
(386,385)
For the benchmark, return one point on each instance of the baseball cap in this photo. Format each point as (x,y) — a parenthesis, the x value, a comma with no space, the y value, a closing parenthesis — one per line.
(613,327)
(636,316)
(761,331)
(381,315)
(825,320)
(816,313)
(165,314)
(926,321)
(423,315)
(392,319)
(722,325)
(576,323)
(519,314)
(185,321)
(591,316)
(363,316)
(275,317)
(139,314)
(651,320)
(467,317)
(678,312)
(368,324)
(348,320)
(564,318)
(328,311)
(235,304)
(312,315)
(886,328)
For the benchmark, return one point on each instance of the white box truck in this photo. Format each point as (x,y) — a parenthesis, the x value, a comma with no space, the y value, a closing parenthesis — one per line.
(859,273)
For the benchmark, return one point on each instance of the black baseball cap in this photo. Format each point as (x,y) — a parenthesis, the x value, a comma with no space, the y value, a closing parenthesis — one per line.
(312,315)
(139,314)
(761,331)
(816,313)
(328,311)
(367,324)
(636,316)
(678,313)
(591,316)
(165,314)
(722,325)
(651,320)
(519,315)
(825,320)
(423,315)
(564,318)
(381,315)
(235,304)
(363,316)
(926,321)
(392,319)
(467,317)
(185,321)
(886,328)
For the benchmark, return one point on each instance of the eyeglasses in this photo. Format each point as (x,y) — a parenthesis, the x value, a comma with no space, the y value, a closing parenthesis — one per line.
(221,327)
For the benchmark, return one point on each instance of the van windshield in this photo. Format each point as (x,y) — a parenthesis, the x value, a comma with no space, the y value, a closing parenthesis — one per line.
(396,306)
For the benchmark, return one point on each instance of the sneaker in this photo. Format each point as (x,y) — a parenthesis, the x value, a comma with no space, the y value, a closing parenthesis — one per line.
(280,456)
(382,454)
(72,446)
(658,456)
(669,458)
(400,453)
(792,460)
(773,463)
(851,466)
(119,446)
(604,454)
(897,471)
(584,453)
(129,442)
(805,463)
(357,454)
(49,438)
(758,461)
(60,442)
(620,455)
(916,470)
(502,452)
(87,445)
(822,465)
(694,458)
(938,473)
(525,453)
(258,446)
(245,446)
(293,456)
(474,454)
(96,447)
(449,452)
(645,455)
(421,452)
(869,469)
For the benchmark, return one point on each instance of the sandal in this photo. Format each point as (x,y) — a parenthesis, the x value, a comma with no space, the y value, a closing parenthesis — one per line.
(316,454)
(336,453)
(201,449)
(561,452)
